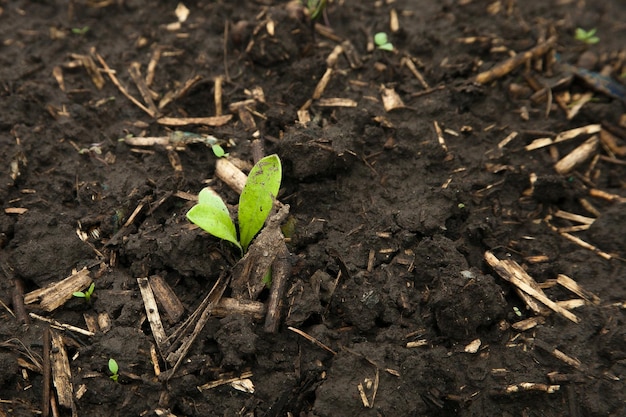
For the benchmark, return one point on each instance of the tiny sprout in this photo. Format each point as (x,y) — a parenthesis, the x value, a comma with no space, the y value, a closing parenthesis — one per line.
(315,8)
(461,206)
(218,151)
(382,41)
(86,294)
(80,31)
(587,36)
(114,368)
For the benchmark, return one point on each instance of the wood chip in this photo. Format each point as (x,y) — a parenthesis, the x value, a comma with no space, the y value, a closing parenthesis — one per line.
(166,297)
(564,136)
(391,99)
(440,137)
(152,312)
(511,64)
(224,381)
(577,156)
(512,272)
(336,102)
(214,121)
(15,210)
(322,83)
(56,294)
(61,373)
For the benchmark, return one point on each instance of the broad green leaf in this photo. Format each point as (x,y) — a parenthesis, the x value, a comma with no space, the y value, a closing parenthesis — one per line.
(113,367)
(257,197)
(212,216)
(380,38)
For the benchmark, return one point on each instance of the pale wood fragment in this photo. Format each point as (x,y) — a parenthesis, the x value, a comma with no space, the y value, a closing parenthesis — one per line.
(152,312)
(217,94)
(577,156)
(185,121)
(148,96)
(224,381)
(573,286)
(179,92)
(511,64)
(59,325)
(230,174)
(322,83)
(391,99)
(167,298)
(61,373)
(336,102)
(56,294)
(564,136)
(512,272)
(229,306)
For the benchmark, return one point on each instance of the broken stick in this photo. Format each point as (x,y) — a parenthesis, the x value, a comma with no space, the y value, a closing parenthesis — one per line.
(510,64)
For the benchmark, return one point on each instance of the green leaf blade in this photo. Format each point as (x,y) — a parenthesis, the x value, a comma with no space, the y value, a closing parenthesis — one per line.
(257,197)
(113,367)
(212,216)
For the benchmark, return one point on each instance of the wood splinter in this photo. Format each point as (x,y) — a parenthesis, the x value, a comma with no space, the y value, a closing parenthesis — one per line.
(511,64)
(61,373)
(512,272)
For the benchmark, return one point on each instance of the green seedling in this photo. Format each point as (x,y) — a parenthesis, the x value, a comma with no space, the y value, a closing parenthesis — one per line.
(315,8)
(80,31)
(587,36)
(86,294)
(114,369)
(255,203)
(219,151)
(382,41)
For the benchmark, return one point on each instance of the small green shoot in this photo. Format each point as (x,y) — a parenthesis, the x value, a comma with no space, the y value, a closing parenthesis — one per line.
(218,151)
(382,41)
(315,8)
(255,203)
(587,36)
(86,294)
(80,31)
(114,369)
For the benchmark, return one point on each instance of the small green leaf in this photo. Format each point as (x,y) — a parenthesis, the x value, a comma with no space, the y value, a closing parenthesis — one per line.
(212,215)
(79,294)
(380,39)
(113,367)
(386,47)
(218,151)
(257,197)
(91,288)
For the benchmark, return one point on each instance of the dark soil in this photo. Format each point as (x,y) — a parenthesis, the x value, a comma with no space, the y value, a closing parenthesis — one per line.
(372,193)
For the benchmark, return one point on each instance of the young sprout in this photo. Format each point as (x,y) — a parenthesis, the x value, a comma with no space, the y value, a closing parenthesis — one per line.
(218,151)
(587,36)
(315,8)
(382,41)
(255,203)
(114,368)
(86,294)
(80,31)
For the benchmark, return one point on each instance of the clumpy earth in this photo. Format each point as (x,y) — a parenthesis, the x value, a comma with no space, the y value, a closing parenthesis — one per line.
(393,205)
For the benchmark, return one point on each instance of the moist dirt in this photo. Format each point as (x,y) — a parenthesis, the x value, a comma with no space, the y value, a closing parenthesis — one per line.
(389,219)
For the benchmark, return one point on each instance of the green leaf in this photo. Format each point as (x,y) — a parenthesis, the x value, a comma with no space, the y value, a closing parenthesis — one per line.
(380,39)
(218,151)
(257,197)
(386,47)
(113,366)
(213,217)
(91,288)
(79,294)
